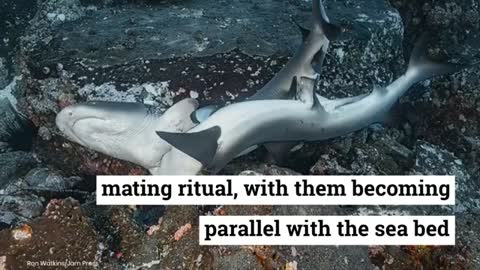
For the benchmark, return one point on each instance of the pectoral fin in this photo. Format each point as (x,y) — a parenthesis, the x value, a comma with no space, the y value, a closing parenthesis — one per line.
(201,145)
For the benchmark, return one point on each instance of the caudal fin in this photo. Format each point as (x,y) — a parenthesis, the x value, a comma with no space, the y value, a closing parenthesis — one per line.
(321,22)
(421,67)
(201,145)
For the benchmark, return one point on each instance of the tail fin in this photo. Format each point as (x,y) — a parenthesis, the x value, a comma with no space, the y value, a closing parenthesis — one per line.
(321,22)
(201,145)
(422,68)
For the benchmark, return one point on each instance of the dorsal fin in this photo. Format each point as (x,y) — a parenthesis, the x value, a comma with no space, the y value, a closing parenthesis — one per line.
(321,22)
(201,145)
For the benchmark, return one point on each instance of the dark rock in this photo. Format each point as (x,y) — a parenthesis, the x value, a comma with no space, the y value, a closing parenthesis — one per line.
(149,215)
(62,232)
(15,16)
(446,111)
(242,259)
(15,130)
(265,169)
(453,25)
(52,180)
(125,238)
(14,165)
(328,165)
(25,207)
(464,255)
(184,252)
(375,151)
(4,73)
(433,160)
(5,147)
(9,219)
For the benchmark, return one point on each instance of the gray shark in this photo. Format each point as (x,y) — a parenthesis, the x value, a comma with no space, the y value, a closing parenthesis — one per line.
(306,62)
(308,59)
(237,127)
(125,130)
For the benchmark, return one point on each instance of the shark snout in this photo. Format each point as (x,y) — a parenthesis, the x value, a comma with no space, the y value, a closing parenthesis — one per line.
(63,117)
(70,121)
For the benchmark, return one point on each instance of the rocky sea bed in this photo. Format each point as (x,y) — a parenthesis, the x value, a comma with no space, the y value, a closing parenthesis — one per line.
(54,53)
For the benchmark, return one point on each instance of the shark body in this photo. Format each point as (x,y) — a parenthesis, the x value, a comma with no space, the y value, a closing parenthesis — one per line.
(239,126)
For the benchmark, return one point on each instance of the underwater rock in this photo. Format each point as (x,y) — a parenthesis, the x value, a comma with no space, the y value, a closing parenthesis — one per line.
(15,131)
(267,169)
(240,259)
(149,215)
(445,112)
(15,15)
(433,160)
(9,219)
(55,12)
(62,232)
(375,150)
(48,179)
(464,255)
(4,76)
(454,25)
(186,251)
(125,238)
(14,165)
(19,208)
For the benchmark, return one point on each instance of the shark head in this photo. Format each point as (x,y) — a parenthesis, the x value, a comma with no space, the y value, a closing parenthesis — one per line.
(125,130)
(100,125)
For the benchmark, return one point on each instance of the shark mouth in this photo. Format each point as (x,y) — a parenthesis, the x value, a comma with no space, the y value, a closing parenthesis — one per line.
(70,131)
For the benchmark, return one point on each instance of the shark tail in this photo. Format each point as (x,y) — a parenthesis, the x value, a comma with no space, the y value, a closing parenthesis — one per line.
(321,22)
(201,145)
(421,67)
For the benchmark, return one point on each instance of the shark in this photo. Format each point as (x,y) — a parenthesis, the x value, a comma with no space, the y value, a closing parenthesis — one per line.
(306,62)
(236,127)
(127,130)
